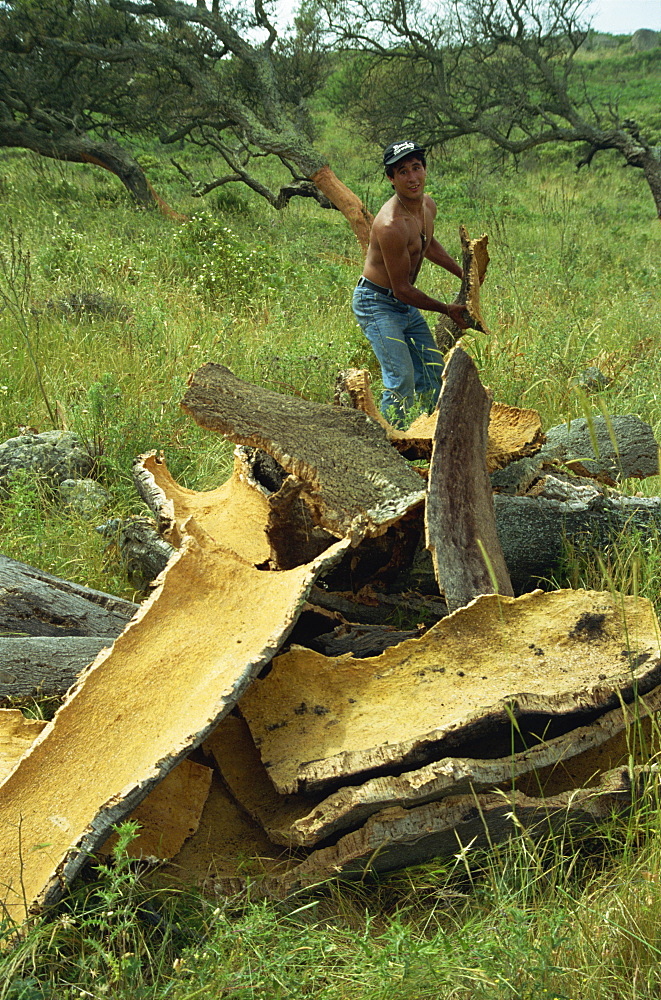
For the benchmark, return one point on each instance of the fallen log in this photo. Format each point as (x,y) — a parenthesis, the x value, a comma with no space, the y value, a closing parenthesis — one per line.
(36,603)
(609,450)
(534,531)
(43,666)
(460,521)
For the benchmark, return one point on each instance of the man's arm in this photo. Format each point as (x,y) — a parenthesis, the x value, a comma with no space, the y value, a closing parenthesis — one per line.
(393,242)
(439,255)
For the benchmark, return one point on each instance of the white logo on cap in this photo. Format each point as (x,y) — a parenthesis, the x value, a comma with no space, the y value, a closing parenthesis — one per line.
(399,146)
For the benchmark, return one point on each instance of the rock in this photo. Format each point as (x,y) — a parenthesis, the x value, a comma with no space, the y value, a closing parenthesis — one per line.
(84,496)
(55,455)
(645,39)
(592,380)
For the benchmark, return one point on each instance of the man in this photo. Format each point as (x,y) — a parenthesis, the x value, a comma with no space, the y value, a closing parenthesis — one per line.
(386,303)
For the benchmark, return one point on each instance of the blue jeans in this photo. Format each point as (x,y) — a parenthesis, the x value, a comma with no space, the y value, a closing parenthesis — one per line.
(411,363)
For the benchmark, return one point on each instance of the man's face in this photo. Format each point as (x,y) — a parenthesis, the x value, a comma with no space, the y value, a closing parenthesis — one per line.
(409,177)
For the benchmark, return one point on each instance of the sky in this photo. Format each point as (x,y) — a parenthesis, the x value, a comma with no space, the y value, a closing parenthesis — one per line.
(615,17)
(623,17)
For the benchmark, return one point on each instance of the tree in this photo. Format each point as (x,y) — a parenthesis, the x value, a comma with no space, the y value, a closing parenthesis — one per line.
(219,76)
(502,69)
(58,103)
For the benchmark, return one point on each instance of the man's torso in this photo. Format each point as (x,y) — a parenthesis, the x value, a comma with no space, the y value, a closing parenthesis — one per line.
(393,212)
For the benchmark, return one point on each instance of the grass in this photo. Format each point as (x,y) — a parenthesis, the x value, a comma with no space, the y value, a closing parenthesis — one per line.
(116,308)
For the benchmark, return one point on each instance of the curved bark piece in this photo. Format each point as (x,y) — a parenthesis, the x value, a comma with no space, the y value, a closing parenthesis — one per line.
(513,432)
(397,837)
(211,625)
(348,203)
(573,760)
(169,815)
(235,514)
(460,520)
(356,484)
(475,260)
(552,661)
(228,850)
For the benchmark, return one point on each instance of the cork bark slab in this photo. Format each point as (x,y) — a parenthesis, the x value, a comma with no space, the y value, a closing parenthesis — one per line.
(322,722)
(572,760)
(228,849)
(170,814)
(356,484)
(181,664)
(398,837)
(513,433)
(243,772)
(17,734)
(235,514)
(460,520)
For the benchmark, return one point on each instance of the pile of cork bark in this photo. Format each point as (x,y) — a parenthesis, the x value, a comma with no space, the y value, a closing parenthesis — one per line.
(261,714)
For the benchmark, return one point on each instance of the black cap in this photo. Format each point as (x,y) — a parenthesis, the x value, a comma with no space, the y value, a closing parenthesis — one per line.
(396,151)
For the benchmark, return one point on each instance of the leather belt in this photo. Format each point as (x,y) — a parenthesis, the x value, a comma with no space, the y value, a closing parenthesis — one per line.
(366,283)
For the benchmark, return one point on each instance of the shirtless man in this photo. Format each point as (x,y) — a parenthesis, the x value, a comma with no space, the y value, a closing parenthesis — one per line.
(386,303)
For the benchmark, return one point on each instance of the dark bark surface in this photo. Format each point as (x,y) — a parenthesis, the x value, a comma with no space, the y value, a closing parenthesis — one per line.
(36,603)
(45,665)
(77,147)
(459,517)
(356,483)
(533,530)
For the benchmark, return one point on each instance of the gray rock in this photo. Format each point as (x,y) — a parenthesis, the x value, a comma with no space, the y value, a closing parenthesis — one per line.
(636,456)
(55,455)
(645,39)
(84,496)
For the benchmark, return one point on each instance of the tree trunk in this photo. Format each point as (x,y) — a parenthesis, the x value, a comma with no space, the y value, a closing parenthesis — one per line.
(348,203)
(652,171)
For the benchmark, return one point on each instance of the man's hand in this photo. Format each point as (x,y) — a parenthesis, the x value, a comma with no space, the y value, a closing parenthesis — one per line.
(459,314)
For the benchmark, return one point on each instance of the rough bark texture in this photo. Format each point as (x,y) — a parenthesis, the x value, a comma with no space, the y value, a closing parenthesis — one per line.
(626,448)
(80,777)
(459,515)
(36,603)
(356,484)
(550,658)
(397,837)
(533,531)
(45,665)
